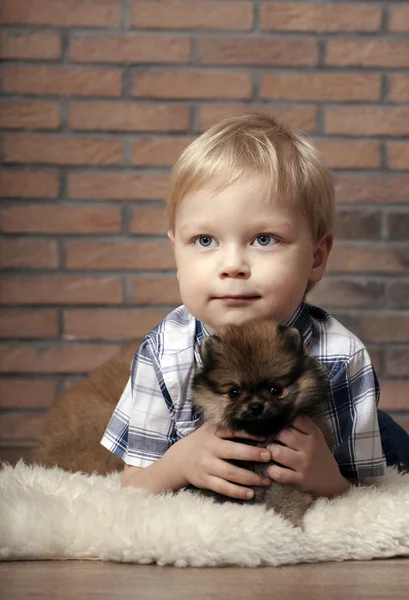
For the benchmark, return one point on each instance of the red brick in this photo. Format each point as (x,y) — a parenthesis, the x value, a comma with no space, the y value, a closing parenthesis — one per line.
(351,120)
(131,49)
(29,323)
(396,361)
(192,15)
(399,88)
(398,293)
(28,254)
(347,293)
(61,13)
(112,324)
(372,189)
(358,224)
(145,256)
(38,149)
(398,226)
(118,186)
(291,16)
(66,289)
(62,80)
(368,53)
(17,425)
(384,327)
(355,258)
(394,394)
(158,151)
(60,219)
(29,115)
(321,86)
(193,83)
(28,184)
(399,18)
(156,290)
(302,117)
(257,51)
(346,154)
(31,46)
(70,358)
(26,393)
(398,155)
(149,220)
(122,116)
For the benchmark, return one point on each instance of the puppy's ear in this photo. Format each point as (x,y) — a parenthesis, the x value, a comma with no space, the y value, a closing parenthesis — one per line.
(292,339)
(209,350)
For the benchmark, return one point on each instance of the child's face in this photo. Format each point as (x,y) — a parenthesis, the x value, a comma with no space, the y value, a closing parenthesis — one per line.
(240,258)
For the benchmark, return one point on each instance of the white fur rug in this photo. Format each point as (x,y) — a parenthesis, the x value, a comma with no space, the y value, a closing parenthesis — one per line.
(52,514)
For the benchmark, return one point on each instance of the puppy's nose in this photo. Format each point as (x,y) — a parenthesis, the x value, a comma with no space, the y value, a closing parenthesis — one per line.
(255,409)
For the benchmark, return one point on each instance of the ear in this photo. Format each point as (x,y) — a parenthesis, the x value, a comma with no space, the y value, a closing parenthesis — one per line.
(171,236)
(321,254)
(208,350)
(292,338)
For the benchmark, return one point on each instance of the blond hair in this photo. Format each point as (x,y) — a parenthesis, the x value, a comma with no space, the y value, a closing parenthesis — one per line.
(256,144)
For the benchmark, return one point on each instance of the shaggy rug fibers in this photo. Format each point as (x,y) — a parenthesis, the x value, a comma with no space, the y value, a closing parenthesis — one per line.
(52,514)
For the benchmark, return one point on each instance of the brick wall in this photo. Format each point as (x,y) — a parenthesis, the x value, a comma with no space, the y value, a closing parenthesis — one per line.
(98,99)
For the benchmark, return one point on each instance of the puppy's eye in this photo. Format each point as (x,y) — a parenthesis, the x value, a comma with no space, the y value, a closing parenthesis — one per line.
(276,390)
(234,393)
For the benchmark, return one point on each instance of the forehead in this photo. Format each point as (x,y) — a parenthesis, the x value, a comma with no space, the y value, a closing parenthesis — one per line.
(248,198)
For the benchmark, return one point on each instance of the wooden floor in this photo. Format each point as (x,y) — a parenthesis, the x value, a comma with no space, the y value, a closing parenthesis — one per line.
(63,580)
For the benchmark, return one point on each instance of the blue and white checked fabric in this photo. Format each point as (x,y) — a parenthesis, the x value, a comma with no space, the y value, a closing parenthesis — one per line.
(155,409)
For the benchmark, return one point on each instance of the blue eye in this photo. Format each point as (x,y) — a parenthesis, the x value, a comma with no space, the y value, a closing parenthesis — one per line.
(265,239)
(204,241)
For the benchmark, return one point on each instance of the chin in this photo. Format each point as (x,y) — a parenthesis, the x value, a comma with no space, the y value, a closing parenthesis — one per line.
(235,317)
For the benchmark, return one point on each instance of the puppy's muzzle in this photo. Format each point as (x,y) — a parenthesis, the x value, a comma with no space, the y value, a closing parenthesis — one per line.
(253,411)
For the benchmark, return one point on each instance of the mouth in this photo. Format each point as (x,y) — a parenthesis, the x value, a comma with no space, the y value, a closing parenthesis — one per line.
(236,300)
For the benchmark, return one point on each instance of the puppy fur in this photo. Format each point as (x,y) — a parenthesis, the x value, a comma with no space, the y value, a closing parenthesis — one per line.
(78,418)
(257,377)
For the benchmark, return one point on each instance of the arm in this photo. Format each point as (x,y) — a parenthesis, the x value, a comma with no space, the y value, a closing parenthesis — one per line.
(307,461)
(142,431)
(358,455)
(200,459)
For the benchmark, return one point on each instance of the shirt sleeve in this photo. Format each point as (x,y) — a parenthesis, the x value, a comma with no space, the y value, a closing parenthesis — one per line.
(142,426)
(354,415)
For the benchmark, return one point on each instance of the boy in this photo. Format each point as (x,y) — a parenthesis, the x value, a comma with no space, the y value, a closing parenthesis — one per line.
(251,209)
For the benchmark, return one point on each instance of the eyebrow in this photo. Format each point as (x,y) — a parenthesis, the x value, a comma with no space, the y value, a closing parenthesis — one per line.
(259,226)
(264,225)
(200,226)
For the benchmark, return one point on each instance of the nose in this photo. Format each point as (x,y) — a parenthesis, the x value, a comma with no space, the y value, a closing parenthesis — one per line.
(234,264)
(255,409)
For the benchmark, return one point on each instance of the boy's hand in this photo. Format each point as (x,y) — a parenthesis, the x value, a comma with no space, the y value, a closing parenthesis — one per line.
(306,460)
(201,459)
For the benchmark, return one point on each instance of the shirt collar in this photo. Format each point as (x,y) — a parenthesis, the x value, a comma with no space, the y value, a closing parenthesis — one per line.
(301,320)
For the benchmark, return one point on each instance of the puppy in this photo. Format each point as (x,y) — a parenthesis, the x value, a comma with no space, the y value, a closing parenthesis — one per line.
(78,418)
(256,377)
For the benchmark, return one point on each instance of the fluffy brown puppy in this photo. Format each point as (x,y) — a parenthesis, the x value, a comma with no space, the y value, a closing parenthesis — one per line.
(256,377)
(79,416)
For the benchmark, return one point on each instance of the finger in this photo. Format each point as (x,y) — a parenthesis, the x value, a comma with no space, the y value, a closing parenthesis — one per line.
(292,438)
(230,433)
(285,456)
(236,451)
(221,486)
(235,474)
(304,425)
(283,475)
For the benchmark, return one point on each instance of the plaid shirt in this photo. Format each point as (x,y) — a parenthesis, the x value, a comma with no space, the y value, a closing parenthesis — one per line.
(155,409)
